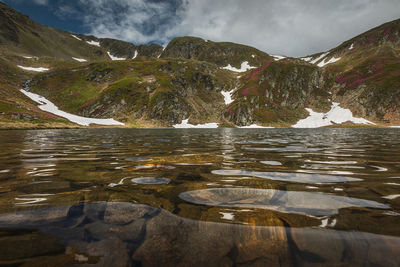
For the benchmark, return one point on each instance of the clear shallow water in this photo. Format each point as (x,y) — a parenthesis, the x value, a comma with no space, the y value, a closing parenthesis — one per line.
(200,197)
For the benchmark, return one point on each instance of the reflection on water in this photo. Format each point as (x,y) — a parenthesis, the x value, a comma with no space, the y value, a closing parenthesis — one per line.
(150,180)
(291,177)
(314,204)
(202,197)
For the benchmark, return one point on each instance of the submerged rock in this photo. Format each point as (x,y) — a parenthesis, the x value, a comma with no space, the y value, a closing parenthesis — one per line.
(126,234)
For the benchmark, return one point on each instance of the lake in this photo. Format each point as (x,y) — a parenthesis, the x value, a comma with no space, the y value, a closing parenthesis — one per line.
(200,197)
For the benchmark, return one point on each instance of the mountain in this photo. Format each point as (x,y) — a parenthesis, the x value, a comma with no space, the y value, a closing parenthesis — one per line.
(23,42)
(155,93)
(192,78)
(221,54)
(366,74)
(278,92)
(362,74)
(21,36)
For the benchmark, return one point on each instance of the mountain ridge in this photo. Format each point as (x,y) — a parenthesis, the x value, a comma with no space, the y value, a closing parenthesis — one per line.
(152,86)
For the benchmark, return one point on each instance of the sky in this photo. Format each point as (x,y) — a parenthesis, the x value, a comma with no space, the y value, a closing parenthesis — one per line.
(282,27)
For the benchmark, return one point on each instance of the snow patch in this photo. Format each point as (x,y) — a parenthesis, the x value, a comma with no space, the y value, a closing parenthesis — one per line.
(76,37)
(319,58)
(228,96)
(255,126)
(185,124)
(227,216)
(253,56)
(115,58)
(33,69)
(307,59)
(136,54)
(351,47)
(79,59)
(277,58)
(324,223)
(324,62)
(163,49)
(93,43)
(48,106)
(243,68)
(336,115)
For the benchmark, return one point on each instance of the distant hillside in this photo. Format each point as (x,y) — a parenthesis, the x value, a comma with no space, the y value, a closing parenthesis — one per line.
(19,35)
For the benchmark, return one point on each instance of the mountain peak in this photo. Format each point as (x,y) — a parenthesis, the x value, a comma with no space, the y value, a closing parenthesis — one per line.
(220,53)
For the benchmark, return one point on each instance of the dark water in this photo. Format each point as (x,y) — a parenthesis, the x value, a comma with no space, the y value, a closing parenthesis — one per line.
(203,197)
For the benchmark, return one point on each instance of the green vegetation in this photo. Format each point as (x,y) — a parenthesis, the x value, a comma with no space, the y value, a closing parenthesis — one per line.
(187,80)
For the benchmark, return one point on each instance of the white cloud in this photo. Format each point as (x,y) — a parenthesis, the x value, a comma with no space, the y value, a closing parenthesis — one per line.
(285,27)
(138,21)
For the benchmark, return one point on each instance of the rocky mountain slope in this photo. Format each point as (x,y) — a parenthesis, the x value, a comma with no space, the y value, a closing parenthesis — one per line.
(366,72)
(277,93)
(221,54)
(149,86)
(362,74)
(139,92)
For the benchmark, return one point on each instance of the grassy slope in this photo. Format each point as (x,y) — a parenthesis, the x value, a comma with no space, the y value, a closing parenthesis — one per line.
(162,92)
(16,110)
(51,48)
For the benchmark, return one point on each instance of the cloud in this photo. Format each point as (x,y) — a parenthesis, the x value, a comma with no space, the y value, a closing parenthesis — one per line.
(65,11)
(286,27)
(41,2)
(138,21)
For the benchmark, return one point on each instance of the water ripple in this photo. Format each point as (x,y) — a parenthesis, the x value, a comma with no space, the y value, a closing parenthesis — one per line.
(286,176)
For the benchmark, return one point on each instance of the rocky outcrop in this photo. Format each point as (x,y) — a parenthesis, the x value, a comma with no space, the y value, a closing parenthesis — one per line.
(221,54)
(278,92)
(128,50)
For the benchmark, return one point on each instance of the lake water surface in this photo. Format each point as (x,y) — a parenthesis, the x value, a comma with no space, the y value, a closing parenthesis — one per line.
(200,197)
